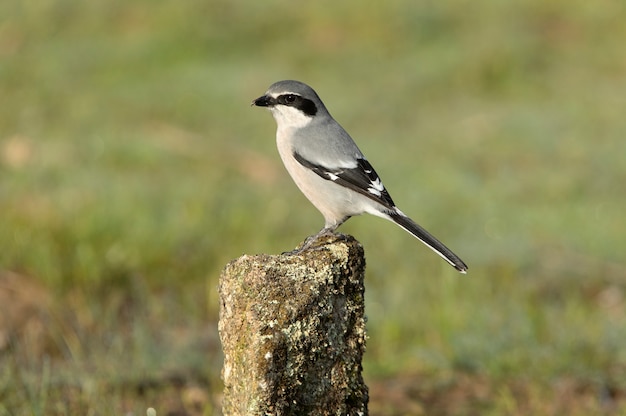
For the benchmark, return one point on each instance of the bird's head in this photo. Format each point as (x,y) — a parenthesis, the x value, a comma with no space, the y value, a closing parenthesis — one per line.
(292,103)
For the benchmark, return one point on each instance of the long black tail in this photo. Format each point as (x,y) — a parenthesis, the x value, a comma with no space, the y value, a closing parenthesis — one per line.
(425,237)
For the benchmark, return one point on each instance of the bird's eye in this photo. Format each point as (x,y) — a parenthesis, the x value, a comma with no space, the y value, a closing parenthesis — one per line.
(290,98)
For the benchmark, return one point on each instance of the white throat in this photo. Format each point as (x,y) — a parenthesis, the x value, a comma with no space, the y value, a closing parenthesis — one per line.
(289,117)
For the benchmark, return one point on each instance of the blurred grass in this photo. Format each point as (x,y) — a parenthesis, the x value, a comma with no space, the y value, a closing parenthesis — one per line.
(132,169)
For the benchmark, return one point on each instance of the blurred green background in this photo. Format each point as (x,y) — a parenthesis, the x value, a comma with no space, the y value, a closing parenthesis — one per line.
(132,169)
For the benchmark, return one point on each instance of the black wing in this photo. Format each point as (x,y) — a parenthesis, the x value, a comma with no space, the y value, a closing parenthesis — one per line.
(362,179)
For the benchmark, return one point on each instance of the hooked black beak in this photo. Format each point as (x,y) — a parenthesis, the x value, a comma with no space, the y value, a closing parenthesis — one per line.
(264,101)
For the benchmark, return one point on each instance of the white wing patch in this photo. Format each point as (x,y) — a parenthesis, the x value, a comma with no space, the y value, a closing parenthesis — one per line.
(376,187)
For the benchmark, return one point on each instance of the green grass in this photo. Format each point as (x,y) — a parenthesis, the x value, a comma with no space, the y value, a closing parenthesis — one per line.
(132,169)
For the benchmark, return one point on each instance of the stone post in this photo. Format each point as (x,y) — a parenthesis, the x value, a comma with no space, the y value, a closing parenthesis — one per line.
(293,332)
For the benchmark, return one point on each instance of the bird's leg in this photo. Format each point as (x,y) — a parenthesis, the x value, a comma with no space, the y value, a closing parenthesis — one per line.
(313,238)
(327,230)
(310,240)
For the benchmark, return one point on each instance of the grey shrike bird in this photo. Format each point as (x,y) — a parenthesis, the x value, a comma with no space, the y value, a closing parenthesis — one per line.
(329,168)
